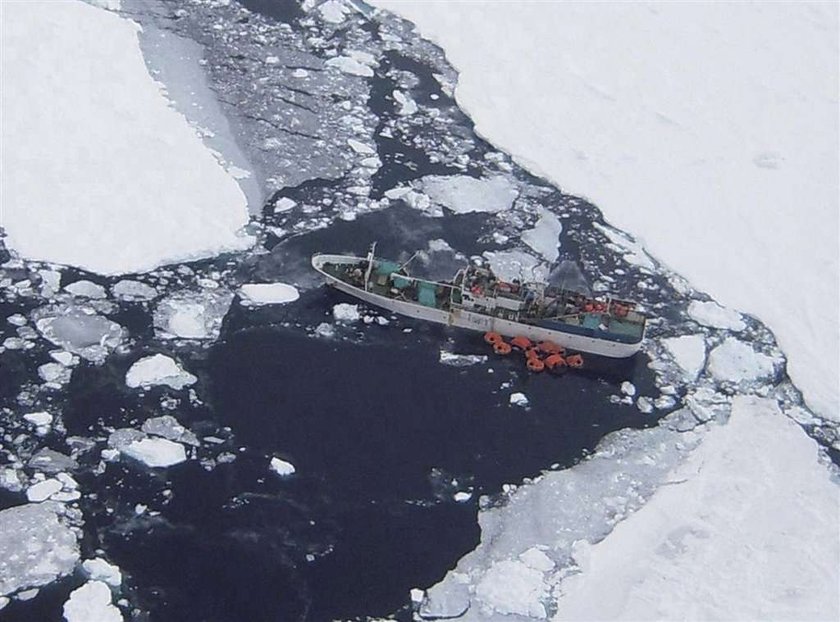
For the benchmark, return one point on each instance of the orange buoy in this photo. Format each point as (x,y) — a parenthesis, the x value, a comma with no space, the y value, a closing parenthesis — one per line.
(492,338)
(502,347)
(520,342)
(535,365)
(554,360)
(574,360)
(549,347)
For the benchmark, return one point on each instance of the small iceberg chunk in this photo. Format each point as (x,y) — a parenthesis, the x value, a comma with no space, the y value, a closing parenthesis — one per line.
(689,352)
(158,369)
(192,314)
(133,291)
(91,603)
(100,570)
(257,294)
(156,452)
(519,399)
(281,467)
(345,312)
(86,289)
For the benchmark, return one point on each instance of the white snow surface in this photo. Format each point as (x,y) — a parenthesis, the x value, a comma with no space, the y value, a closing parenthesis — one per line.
(712,314)
(544,237)
(91,603)
(748,531)
(155,452)
(35,547)
(110,179)
(463,194)
(512,587)
(158,369)
(737,361)
(689,352)
(708,130)
(281,467)
(257,294)
(100,570)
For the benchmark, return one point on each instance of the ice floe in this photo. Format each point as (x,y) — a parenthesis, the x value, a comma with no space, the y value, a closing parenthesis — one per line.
(463,194)
(348,64)
(737,361)
(281,467)
(511,587)
(461,360)
(346,312)
(518,399)
(516,264)
(192,314)
(689,352)
(544,237)
(86,289)
(80,330)
(36,546)
(712,314)
(156,370)
(100,570)
(43,490)
(133,291)
(176,201)
(168,427)
(155,452)
(257,294)
(91,603)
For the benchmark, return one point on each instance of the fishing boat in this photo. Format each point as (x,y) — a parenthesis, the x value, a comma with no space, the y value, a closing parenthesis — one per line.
(476,299)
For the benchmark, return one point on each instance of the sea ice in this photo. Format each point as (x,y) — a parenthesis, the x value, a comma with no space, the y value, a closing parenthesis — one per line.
(100,570)
(43,490)
(86,289)
(461,360)
(79,330)
(160,194)
(463,194)
(512,588)
(91,603)
(736,361)
(518,399)
(158,369)
(712,314)
(168,427)
(36,547)
(407,105)
(689,352)
(346,312)
(257,294)
(333,11)
(281,467)
(544,237)
(516,264)
(192,314)
(350,65)
(40,418)
(133,291)
(155,452)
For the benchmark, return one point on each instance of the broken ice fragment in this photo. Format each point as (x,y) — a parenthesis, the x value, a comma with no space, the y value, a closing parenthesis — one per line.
(158,369)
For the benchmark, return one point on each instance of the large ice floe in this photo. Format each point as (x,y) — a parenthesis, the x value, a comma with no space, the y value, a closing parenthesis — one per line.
(136,185)
(91,603)
(258,294)
(36,546)
(79,329)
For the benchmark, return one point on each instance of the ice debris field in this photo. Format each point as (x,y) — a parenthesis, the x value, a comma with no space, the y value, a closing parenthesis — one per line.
(149,225)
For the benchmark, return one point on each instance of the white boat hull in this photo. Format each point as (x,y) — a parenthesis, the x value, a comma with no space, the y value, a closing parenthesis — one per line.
(463,318)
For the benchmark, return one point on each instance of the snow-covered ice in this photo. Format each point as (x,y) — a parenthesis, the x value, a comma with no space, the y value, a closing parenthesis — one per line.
(737,361)
(689,352)
(346,312)
(86,289)
(155,452)
(511,587)
(158,369)
(697,127)
(257,294)
(748,530)
(712,314)
(168,427)
(463,194)
(544,237)
(129,290)
(461,360)
(80,330)
(91,603)
(350,65)
(516,264)
(281,467)
(36,546)
(192,314)
(518,399)
(100,570)
(136,186)
(40,418)
(43,490)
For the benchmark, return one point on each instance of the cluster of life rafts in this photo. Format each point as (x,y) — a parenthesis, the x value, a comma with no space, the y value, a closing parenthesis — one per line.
(616,308)
(545,355)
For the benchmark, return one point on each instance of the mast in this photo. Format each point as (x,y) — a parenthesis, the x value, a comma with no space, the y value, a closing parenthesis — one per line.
(370,258)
